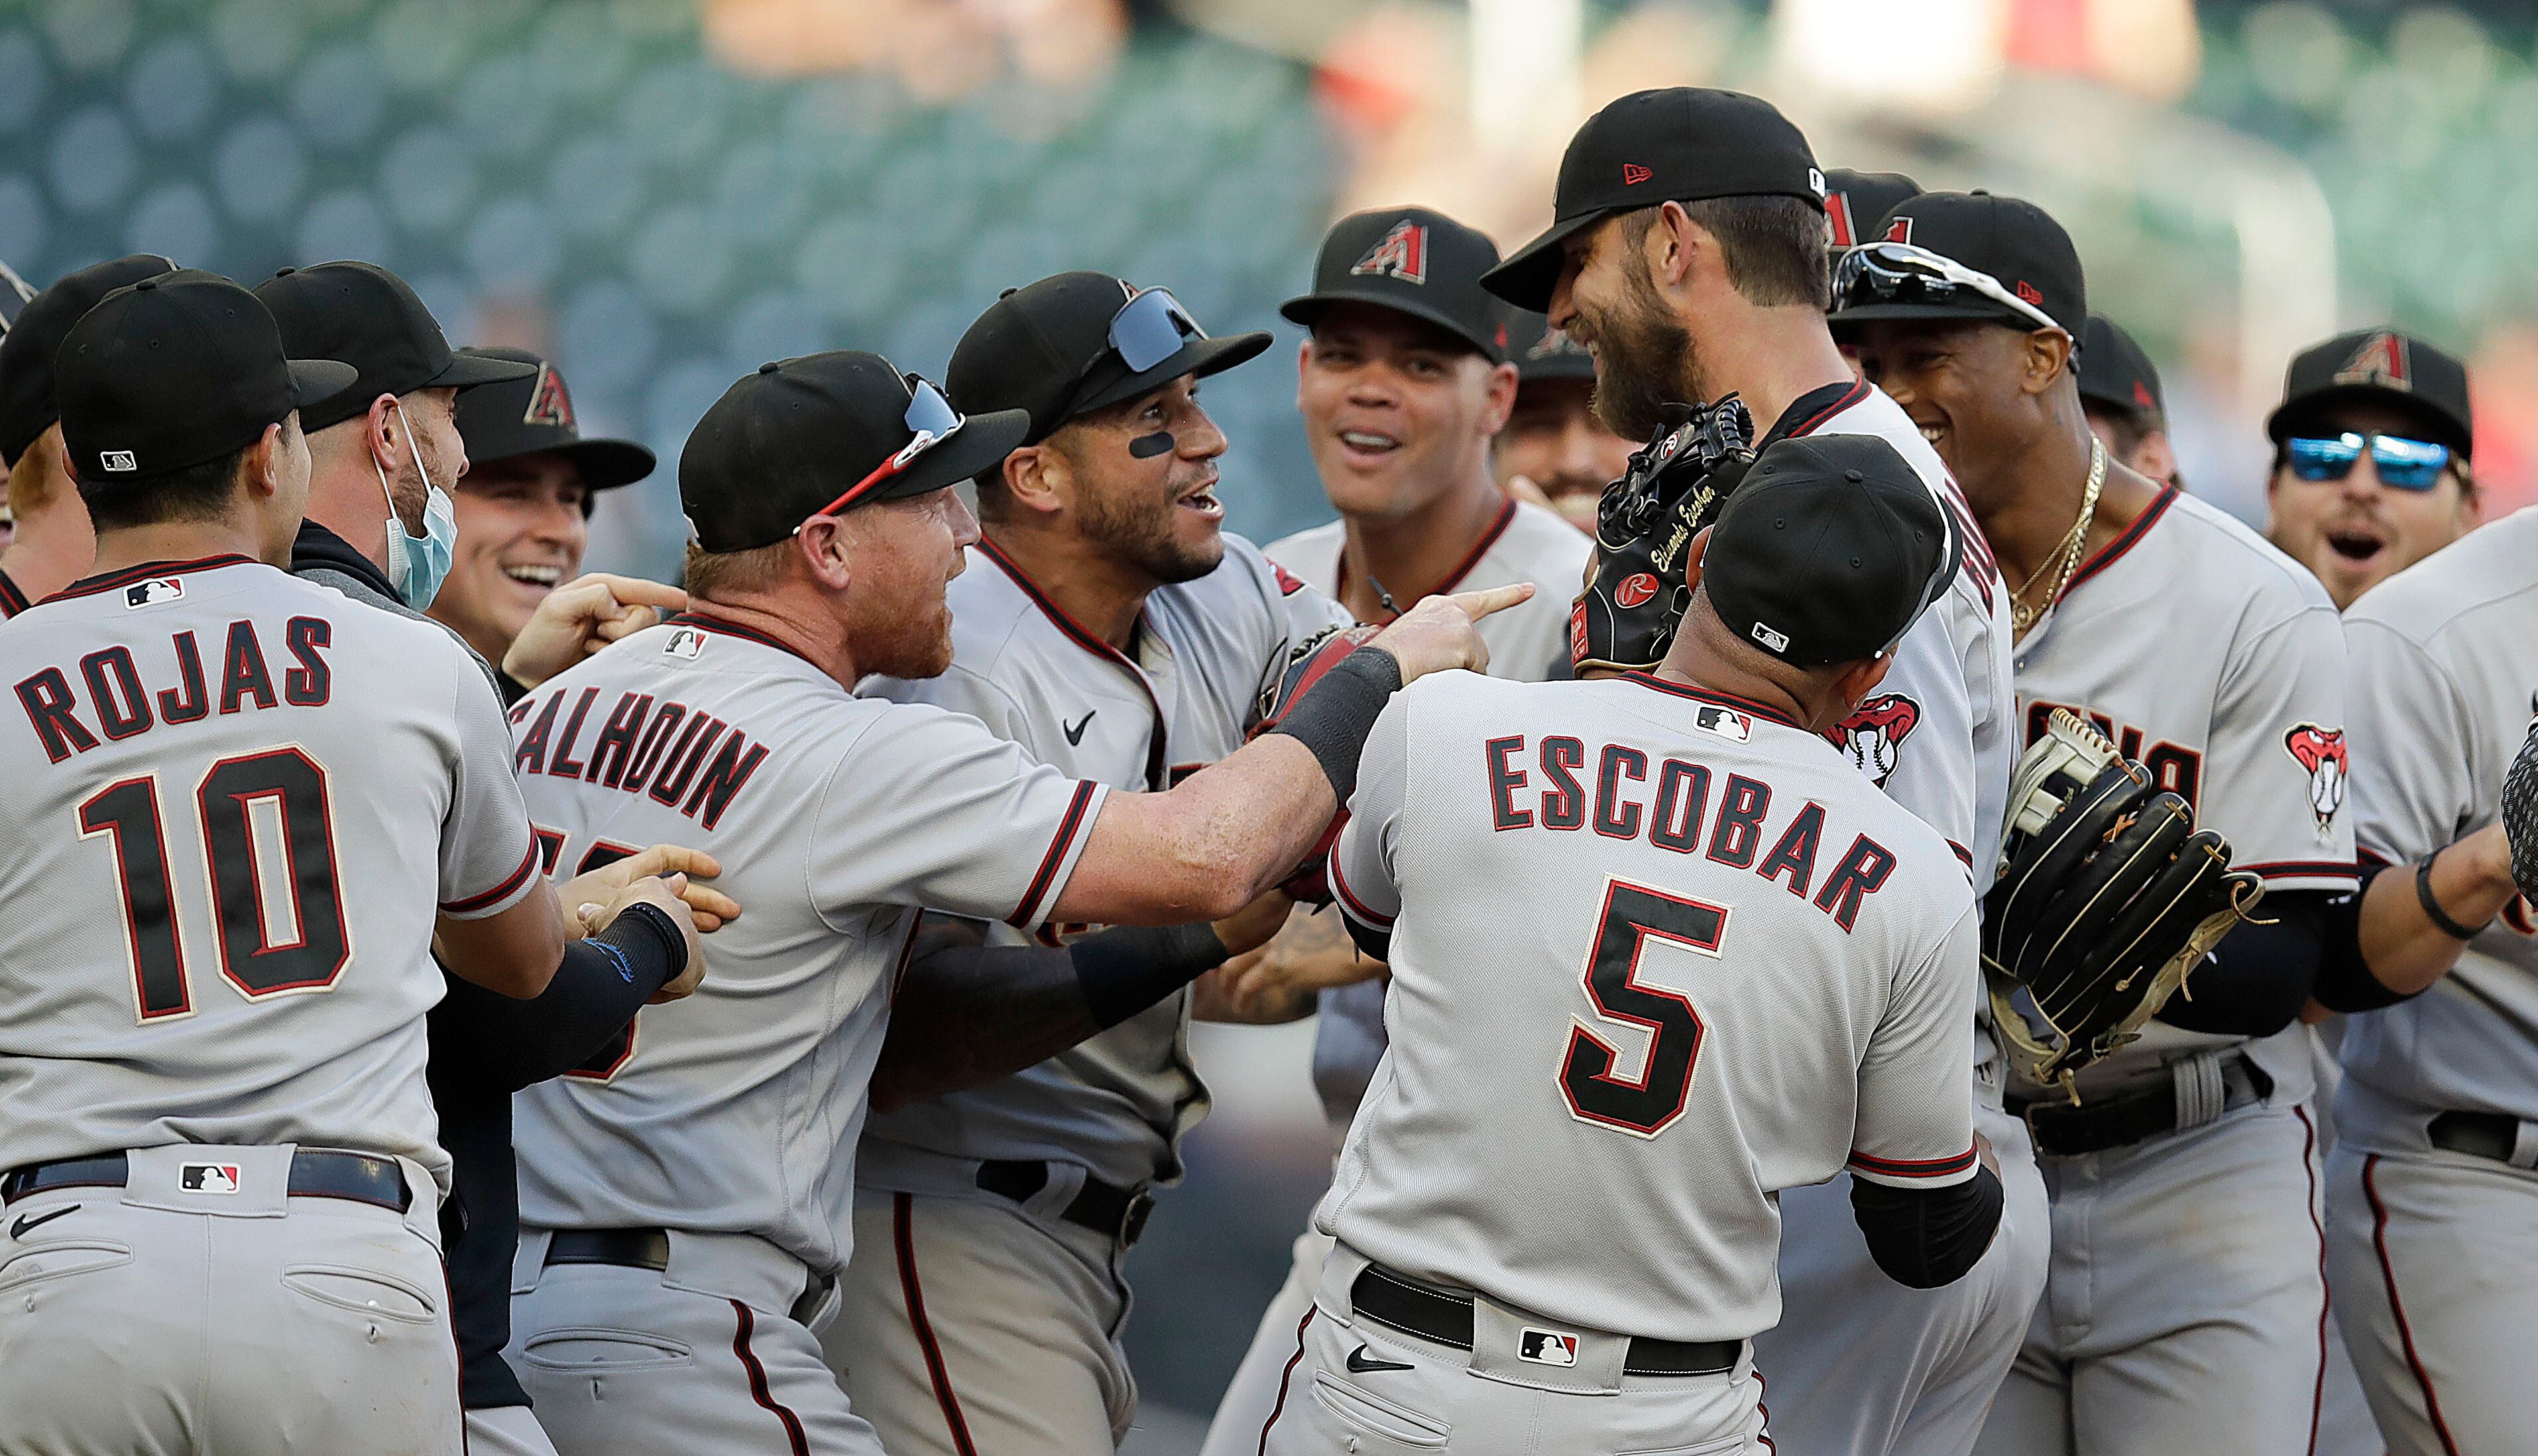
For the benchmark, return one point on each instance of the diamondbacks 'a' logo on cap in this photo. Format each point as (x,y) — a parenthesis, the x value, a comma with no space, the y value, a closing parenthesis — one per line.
(1899,230)
(2322,751)
(119,461)
(549,403)
(1873,735)
(1402,254)
(208,1177)
(1632,174)
(1845,230)
(153,591)
(2381,359)
(1546,1347)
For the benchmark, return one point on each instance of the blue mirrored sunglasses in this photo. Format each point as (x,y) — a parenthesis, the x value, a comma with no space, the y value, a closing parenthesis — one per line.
(2404,463)
(1150,328)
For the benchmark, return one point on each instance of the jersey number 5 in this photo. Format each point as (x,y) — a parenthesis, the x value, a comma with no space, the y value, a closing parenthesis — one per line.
(1646,1105)
(264,812)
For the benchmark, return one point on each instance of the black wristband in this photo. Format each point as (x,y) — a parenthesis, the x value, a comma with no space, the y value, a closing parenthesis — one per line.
(1335,716)
(2432,910)
(1126,968)
(645,942)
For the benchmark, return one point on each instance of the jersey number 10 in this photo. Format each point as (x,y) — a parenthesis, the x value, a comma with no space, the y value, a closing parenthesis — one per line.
(228,804)
(1644,1105)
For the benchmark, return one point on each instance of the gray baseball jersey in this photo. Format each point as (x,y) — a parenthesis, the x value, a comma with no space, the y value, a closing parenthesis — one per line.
(239,801)
(1178,700)
(1615,1047)
(2445,679)
(2243,714)
(835,819)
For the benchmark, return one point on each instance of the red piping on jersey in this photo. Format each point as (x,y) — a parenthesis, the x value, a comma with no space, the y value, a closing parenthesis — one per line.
(1049,862)
(2397,1307)
(1454,579)
(2303,869)
(1714,699)
(904,1235)
(510,882)
(147,571)
(12,600)
(707,622)
(1376,918)
(758,1390)
(2317,1397)
(1286,1376)
(2116,548)
(1857,391)
(1913,1167)
(1076,632)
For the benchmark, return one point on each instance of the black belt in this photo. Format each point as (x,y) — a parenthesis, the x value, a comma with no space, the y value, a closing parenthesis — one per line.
(2120,1119)
(1103,1208)
(314,1174)
(633,1248)
(1413,1308)
(2479,1133)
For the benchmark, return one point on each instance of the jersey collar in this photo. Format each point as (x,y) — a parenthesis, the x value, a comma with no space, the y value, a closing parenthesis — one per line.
(724,627)
(1744,705)
(90,587)
(1496,528)
(2131,537)
(1075,632)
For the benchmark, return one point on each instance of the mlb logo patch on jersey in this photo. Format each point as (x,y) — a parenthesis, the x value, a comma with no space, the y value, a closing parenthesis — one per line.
(1546,1347)
(1726,722)
(687,642)
(208,1177)
(153,591)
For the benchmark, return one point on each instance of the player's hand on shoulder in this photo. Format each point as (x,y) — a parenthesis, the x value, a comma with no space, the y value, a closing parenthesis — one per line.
(582,616)
(1441,633)
(666,896)
(709,907)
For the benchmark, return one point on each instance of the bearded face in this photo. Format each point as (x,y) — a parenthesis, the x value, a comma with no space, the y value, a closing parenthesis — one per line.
(1644,359)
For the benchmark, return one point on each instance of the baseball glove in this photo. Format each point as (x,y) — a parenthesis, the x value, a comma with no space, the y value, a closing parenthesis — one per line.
(2107,898)
(1307,661)
(2520,816)
(1677,482)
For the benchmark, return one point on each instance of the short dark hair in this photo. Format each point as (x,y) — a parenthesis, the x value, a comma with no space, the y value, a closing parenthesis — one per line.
(2130,427)
(196,492)
(1776,248)
(709,574)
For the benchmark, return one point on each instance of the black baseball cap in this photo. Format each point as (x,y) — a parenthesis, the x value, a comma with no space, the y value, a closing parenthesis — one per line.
(1828,551)
(1682,144)
(1411,260)
(784,444)
(2381,367)
(26,405)
(176,371)
(1541,351)
(1856,202)
(2013,240)
(372,319)
(533,416)
(1069,345)
(2115,372)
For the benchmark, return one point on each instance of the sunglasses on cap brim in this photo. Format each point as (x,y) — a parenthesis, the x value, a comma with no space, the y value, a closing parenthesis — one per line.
(2400,461)
(1899,273)
(931,420)
(1150,328)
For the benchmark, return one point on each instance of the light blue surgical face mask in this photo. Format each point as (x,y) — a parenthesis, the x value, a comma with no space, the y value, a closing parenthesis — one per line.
(418,564)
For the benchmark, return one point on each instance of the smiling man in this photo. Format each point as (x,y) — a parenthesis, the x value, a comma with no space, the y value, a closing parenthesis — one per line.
(524,504)
(2371,459)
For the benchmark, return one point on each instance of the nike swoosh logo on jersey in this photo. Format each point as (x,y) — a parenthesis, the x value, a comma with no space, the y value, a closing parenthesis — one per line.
(1075,731)
(1358,1364)
(26,1223)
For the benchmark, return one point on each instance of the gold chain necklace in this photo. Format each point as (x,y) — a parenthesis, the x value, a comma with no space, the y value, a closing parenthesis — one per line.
(2022,616)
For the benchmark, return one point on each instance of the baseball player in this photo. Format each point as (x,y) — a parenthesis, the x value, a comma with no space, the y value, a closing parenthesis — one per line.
(2127,411)
(2158,1329)
(1689,252)
(686,1197)
(51,542)
(1556,1213)
(1554,451)
(1108,624)
(1856,202)
(2371,459)
(246,809)
(2431,1206)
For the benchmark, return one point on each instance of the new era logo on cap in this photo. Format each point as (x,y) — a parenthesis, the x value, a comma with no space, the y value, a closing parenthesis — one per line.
(157,589)
(208,1177)
(117,460)
(1634,174)
(2141,396)
(1402,253)
(549,404)
(2381,359)
(2030,292)
(1546,1347)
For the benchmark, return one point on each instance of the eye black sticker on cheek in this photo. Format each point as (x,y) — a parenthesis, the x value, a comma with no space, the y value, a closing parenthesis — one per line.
(1148,446)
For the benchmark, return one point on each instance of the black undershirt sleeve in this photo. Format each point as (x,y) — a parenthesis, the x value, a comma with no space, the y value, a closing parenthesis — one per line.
(2344,979)
(2260,976)
(598,988)
(1925,1238)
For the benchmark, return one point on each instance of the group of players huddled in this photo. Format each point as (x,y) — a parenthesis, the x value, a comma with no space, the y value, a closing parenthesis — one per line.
(451,1002)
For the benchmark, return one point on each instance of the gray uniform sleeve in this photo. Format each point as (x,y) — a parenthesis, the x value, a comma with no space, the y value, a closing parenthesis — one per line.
(1909,1131)
(1921,748)
(2274,778)
(2412,742)
(487,857)
(927,808)
(1361,863)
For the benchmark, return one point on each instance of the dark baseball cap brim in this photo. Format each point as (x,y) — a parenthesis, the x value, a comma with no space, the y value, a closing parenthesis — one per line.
(2316,411)
(1198,358)
(467,370)
(602,464)
(315,380)
(980,444)
(1307,307)
(1529,274)
(1991,312)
